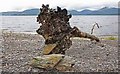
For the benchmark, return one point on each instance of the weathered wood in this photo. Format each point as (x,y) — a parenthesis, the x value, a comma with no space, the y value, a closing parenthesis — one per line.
(48,48)
(94,27)
(56,29)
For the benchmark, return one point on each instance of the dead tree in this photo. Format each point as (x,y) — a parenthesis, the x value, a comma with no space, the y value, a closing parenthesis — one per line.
(57,31)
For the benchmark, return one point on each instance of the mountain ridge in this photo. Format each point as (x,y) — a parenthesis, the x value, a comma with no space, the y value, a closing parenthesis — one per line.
(35,11)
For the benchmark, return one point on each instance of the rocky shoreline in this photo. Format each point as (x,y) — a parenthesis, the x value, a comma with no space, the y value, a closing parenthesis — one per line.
(19,48)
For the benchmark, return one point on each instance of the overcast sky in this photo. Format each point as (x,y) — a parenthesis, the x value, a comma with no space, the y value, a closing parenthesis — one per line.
(13,5)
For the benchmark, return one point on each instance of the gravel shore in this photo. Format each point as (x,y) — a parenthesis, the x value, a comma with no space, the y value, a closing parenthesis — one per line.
(18,49)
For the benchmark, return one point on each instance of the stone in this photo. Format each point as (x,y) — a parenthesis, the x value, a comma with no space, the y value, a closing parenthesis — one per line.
(66,64)
(53,61)
(46,61)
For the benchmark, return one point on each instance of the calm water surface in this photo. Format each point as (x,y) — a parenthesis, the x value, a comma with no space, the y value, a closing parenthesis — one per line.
(108,24)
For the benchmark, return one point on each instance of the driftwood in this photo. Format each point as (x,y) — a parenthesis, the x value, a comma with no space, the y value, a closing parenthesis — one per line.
(57,31)
(94,27)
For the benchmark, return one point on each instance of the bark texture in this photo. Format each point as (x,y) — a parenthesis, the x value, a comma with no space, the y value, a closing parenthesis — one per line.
(56,30)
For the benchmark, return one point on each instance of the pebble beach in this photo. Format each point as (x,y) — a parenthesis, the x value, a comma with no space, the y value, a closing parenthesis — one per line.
(19,48)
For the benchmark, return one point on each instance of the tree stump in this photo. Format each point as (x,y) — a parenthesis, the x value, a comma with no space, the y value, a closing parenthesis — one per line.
(56,30)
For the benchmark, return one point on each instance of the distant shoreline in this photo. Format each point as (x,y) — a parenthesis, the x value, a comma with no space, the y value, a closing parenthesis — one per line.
(36,11)
(35,33)
(73,15)
(6,31)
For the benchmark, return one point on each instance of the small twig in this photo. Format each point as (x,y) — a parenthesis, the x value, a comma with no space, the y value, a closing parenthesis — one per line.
(93,27)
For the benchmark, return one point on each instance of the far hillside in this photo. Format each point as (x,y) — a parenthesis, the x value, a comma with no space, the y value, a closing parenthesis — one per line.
(35,11)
